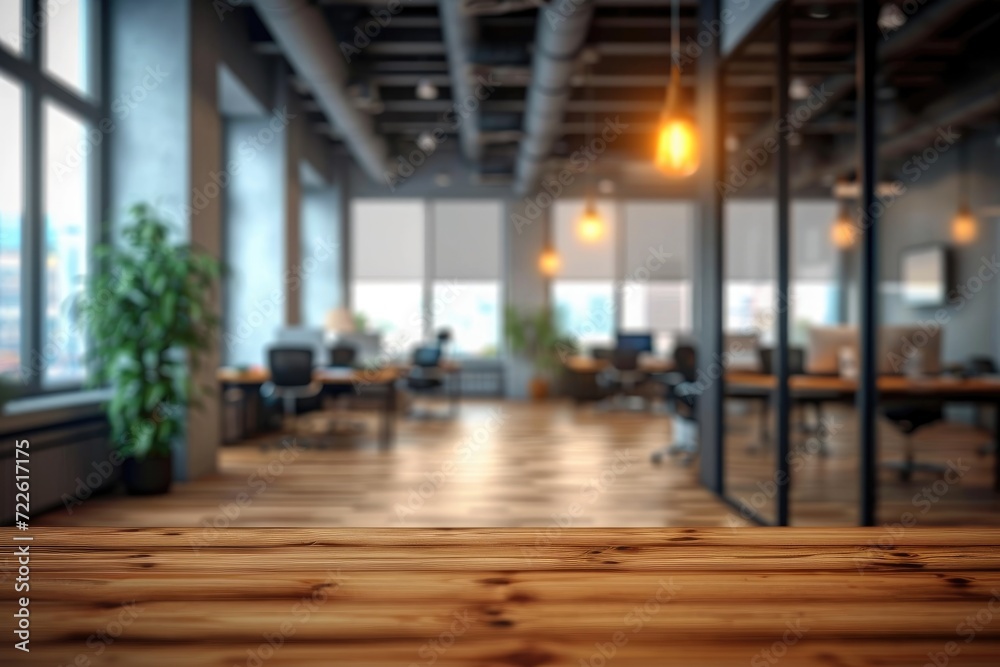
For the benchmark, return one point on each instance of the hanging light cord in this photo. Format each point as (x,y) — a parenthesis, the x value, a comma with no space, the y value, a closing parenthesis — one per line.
(673,88)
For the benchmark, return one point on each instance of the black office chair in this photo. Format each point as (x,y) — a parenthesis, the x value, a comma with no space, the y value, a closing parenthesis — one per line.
(291,380)
(796,366)
(602,353)
(977,367)
(909,418)
(622,377)
(342,356)
(426,375)
(682,400)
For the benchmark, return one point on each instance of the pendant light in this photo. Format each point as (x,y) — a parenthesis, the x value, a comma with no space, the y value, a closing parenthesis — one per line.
(590,227)
(843,230)
(677,145)
(548,261)
(964,228)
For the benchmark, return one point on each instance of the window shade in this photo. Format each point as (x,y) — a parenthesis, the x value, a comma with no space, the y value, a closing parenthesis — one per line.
(750,240)
(654,229)
(387,239)
(467,239)
(814,257)
(582,259)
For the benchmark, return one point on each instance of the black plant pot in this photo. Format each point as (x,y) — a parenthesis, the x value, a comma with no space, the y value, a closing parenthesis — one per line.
(147,476)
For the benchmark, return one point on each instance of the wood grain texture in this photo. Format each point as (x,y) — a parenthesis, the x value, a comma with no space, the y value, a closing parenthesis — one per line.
(510,597)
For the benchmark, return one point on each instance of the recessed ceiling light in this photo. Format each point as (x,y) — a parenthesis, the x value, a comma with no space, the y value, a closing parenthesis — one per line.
(732,143)
(798,89)
(426,142)
(819,11)
(442,179)
(426,90)
(891,17)
(606,186)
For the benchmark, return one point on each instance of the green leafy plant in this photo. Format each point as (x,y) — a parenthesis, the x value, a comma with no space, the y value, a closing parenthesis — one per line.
(147,310)
(536,336)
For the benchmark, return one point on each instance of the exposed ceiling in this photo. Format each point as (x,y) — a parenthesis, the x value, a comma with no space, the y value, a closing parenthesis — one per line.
(935,53)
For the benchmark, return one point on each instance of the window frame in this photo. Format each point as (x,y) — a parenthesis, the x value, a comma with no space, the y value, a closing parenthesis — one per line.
(27,70)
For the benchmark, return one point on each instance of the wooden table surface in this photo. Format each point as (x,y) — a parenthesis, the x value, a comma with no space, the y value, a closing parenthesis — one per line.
(520,597)
(935,386)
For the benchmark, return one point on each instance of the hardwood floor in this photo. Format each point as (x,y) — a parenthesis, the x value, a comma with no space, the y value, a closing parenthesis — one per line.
(825,488)
(498,464)
(508,598)
(513,464)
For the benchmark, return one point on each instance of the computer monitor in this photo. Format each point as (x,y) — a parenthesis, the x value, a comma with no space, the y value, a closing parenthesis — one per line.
(639,342)
(368,346)
(307,337)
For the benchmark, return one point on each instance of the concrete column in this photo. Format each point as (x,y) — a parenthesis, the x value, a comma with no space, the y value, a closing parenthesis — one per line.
(526,288)
(291,157)
(166,149)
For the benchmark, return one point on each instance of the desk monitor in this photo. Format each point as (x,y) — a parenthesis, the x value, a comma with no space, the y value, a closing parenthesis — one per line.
(368,346)
(307,337)
(638,342)
(897,344)
(825,343)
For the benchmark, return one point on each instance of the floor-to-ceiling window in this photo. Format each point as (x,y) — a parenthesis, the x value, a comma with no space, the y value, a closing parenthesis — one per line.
(50,128)
(466,278)
(422,266)
(583,292)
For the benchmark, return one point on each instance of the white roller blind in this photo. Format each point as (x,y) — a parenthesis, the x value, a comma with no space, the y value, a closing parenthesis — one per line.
(467,239)
(750,240)
(659,234)
(814,257)
(387,239)
(582,259)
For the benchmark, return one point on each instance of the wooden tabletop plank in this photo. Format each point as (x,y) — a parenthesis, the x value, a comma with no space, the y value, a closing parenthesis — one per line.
(130,539)
(511,598)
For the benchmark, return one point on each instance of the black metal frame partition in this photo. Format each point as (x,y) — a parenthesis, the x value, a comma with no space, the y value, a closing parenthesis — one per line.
(711,94)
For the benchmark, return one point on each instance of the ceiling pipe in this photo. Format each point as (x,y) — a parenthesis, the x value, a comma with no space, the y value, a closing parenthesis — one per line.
(561,31)
(461,31)
(300,29)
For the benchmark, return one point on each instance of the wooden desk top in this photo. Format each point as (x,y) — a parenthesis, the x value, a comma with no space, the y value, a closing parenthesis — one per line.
(581,364)
(889,384)
(714,597)
(260,375)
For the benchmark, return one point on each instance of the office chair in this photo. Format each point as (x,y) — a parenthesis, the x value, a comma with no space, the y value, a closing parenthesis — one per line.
(796,366)
(602,353)
(910,418)
(291,379)
(426,375)
(622,376)
(342,356)
(682,394)
(976,367)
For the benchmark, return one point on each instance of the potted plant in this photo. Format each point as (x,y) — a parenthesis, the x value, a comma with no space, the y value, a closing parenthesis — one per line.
(147,310)
(536,337)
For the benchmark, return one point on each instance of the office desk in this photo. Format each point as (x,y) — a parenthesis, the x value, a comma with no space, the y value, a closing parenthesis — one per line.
(383,378)
(529,597)
(890,387)
(582,364)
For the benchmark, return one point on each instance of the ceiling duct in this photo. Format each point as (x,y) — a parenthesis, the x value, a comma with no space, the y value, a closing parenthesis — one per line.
(301,31)
(561,32)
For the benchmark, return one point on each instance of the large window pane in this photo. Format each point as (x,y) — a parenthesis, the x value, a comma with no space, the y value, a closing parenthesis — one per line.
(662,308)
(393,308)
(471,310)
(65,210)
(585,310)
(10,19)
(67,42)
(11,207)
